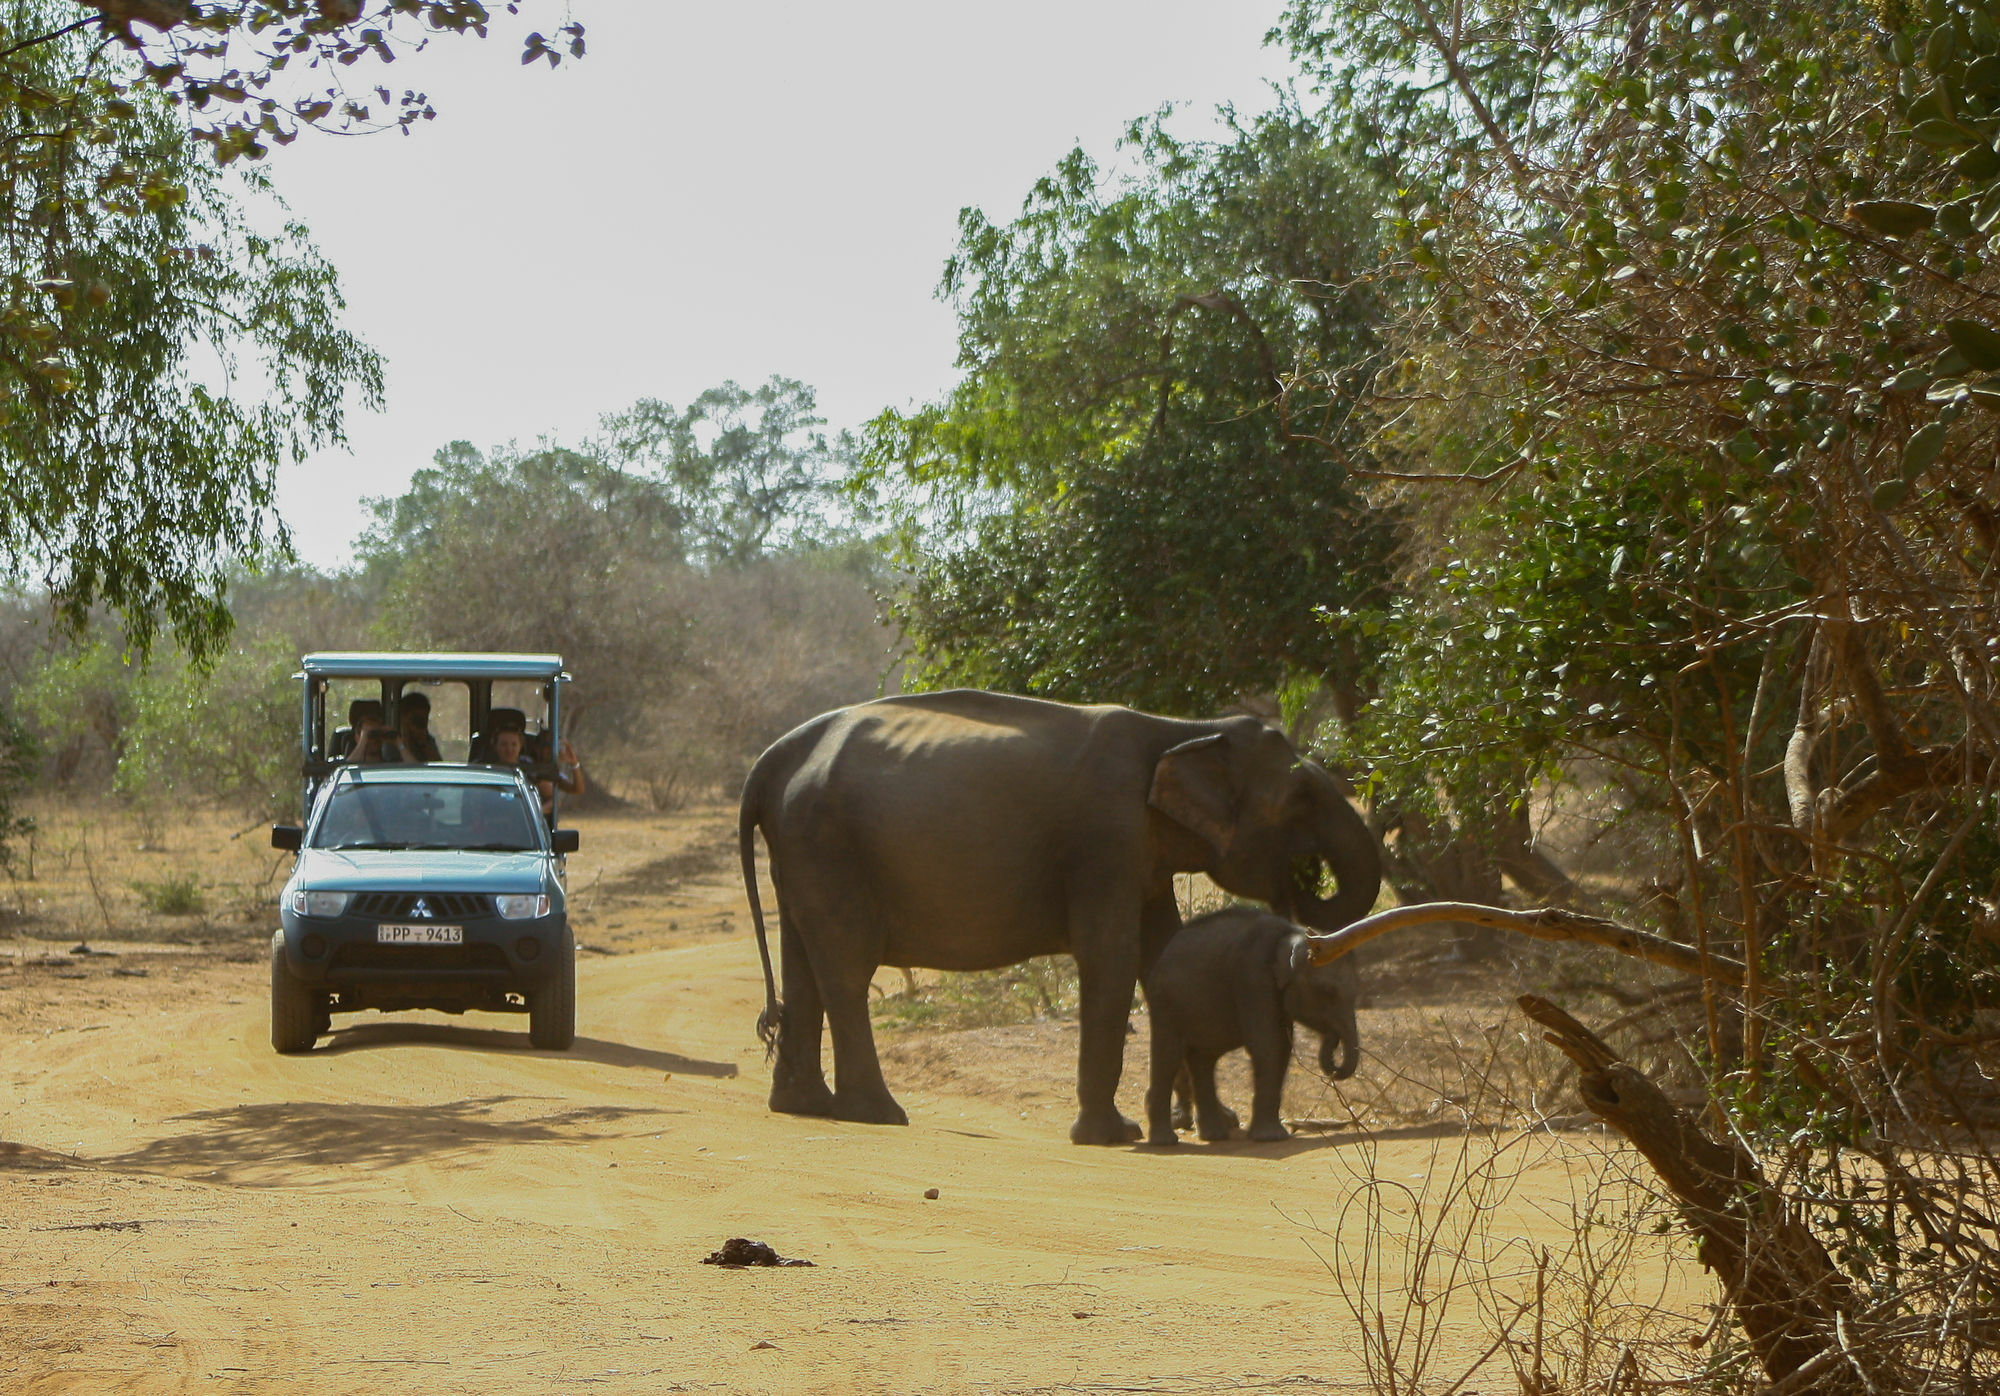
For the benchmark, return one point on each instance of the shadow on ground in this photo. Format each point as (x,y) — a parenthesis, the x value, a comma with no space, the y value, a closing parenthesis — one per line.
(1306,1142)
(375,1036)
(276,1144)
(29,1158)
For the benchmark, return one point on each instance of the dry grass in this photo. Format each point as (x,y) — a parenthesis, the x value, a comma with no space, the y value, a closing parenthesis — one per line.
(103,869)
(1044,988)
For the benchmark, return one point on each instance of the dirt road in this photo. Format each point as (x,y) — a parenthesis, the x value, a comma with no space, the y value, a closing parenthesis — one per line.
(425,1204)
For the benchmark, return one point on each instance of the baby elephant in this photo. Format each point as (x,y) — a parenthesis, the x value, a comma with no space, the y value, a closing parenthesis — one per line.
(1241,978)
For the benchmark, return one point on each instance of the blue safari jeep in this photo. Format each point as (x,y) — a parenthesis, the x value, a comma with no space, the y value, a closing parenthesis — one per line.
(425,883)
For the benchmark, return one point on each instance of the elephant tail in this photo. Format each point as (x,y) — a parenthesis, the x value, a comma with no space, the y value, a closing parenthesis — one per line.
(770,1021)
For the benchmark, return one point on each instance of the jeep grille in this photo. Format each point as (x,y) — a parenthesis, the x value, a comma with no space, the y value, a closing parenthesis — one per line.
(399,906)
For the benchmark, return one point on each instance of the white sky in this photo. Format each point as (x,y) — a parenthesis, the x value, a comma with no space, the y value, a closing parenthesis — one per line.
(716,191)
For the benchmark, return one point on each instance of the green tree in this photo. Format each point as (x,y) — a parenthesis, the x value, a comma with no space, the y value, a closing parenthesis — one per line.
(176,733)
(748,468)
(166,341)
(250,73)
(1120,500)
(79,701)
(1690,380)
(19,760)
(167,337)
(223,733)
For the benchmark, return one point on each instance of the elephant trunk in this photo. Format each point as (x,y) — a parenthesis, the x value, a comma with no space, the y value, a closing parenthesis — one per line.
(1351,853)
(1348,1031)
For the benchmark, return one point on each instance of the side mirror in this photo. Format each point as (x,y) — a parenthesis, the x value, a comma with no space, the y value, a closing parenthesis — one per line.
(563,840)
(289,837)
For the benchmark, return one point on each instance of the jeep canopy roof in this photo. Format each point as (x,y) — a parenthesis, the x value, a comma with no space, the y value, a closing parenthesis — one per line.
(366,664)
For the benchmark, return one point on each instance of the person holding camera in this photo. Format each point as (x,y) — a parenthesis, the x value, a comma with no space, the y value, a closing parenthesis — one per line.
(371,740)
(413,729)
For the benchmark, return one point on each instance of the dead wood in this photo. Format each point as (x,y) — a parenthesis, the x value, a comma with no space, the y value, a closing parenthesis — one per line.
(1778,1280)
(1543,923)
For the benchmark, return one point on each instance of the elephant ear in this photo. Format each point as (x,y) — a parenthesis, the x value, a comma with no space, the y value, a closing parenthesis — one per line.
(1192,787)
(1294,958)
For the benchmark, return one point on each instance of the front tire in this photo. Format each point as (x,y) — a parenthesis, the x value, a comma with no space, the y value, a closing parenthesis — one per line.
(552,1007)
(296,1010)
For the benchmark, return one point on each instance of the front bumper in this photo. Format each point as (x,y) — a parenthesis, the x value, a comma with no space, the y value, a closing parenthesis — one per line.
(495,958)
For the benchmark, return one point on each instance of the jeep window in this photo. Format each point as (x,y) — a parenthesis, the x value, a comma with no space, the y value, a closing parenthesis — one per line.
(401,815)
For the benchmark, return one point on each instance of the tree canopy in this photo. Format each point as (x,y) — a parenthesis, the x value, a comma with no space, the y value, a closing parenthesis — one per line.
(168,334)
(248,74)
(747,468)
(1119,500)
(1690,374)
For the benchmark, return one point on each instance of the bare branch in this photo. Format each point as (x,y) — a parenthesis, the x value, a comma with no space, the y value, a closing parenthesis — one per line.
(1447,50)
(1933,768)
(1800,792)
(1544,923)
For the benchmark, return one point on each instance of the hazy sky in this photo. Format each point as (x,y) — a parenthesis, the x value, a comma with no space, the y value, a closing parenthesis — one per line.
(716,191)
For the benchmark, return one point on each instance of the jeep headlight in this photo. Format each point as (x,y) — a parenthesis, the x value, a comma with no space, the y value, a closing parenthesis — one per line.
(304,903)
(520,908)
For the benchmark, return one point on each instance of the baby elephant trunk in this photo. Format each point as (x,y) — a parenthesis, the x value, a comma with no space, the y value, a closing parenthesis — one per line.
(1348,1031)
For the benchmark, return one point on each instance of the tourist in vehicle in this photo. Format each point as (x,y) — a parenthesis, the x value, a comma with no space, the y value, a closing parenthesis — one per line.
(569,771)
(510,748)
(413,728)
(497,721)
(340,747)
(513,747)
(371,741)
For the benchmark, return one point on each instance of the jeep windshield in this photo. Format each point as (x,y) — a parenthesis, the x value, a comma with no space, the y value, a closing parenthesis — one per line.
(485,818)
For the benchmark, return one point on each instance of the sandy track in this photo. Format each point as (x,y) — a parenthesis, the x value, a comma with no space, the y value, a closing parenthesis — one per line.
(426,1204)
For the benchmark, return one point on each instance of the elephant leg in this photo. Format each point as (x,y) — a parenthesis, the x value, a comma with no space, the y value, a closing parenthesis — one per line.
(1109,969)
(1270,1055)
(1217,1120)
(844,962)
(1225,1118)
(1169,1065)
(1183,1099)
(797,1085)
(1159,918)
(859,1092)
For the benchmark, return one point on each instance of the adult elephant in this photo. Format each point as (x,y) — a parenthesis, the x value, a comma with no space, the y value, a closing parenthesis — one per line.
(966,830)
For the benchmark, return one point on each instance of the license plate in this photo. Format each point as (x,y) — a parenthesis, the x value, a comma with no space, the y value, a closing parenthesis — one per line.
(419,935)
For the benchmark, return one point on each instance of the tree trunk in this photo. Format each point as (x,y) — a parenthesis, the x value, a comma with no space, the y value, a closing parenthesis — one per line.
(1777,1278)
(1533,872)
(1428,864)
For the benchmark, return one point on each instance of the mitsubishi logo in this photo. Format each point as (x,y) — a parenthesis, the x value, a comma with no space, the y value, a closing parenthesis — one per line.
(421,909)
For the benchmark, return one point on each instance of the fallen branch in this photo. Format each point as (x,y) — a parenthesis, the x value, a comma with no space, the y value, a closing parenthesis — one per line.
(1778,1279)
(1544,923)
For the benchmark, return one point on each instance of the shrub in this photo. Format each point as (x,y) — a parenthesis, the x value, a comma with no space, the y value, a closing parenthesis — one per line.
(1041,988)
(18,756)
(179,895)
